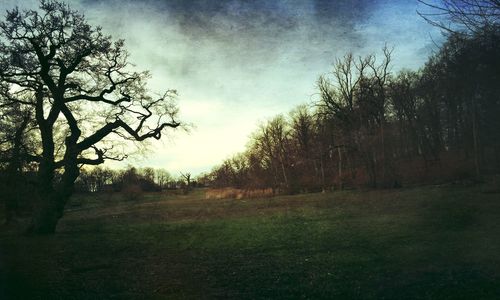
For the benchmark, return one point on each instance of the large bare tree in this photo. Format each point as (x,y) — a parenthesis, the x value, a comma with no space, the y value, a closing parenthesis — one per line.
(83,94)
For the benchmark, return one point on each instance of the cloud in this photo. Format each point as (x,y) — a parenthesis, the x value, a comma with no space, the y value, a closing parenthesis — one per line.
(236,62)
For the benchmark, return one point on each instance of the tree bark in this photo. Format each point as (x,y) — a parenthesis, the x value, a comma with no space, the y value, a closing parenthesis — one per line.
(44,220)
(51,202)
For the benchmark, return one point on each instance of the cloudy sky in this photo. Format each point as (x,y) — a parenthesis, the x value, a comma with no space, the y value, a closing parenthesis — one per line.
(236,63)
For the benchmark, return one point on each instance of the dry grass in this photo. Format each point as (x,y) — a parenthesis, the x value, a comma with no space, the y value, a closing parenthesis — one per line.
(232,193)
(435,242)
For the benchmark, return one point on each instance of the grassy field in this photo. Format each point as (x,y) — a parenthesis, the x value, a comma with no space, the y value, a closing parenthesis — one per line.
(440,242)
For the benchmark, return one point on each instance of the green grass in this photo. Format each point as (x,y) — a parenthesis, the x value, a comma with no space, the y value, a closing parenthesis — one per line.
(419,243)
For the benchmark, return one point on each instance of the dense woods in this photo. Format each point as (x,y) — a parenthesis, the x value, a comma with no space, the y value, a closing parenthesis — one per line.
(371,126)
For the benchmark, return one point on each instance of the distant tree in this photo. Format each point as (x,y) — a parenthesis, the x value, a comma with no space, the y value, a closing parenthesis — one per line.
(272,142)
(162,178)
(337,90)
(147,180)
(187,180)
(130,176)
(324,141)
(78,84)
(380,75)
(130,186)
(102,177)
(303,143)
(353,96)
(404,105)
(302,129)
(148,173)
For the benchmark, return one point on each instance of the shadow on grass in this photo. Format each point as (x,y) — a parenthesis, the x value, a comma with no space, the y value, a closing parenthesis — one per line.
(424,243)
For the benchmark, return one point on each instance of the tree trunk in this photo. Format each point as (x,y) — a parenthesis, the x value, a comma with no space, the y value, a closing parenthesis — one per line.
(50,209)
(323,182)
(51,201)
(44,220)
(384,162)
(285,177)
(341,183)
(372,163)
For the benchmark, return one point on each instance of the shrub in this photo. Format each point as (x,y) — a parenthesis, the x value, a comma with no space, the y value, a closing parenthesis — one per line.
(132,192)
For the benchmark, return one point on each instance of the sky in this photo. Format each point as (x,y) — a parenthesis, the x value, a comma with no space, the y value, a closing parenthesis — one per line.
(236,63)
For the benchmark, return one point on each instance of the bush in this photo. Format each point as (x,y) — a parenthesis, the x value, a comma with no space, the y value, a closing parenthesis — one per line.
(132,192)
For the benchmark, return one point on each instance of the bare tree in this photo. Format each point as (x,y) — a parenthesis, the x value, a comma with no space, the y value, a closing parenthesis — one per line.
(354,97)
(187,178)
(337,89)
(470,15)
(380,75)
(403,102)
(162,178)
(83,94)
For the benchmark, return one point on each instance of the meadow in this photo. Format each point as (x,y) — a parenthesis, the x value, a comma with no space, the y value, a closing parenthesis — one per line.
(432,242)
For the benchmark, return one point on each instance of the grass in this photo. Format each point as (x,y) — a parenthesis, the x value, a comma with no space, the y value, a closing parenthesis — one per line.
(416,243)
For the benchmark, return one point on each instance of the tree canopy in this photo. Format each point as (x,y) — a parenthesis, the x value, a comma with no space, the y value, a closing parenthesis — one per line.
(80,92)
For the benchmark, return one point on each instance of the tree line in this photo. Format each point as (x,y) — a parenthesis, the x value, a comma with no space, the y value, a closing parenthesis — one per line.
(70,98)
(375,127)
(103,179)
